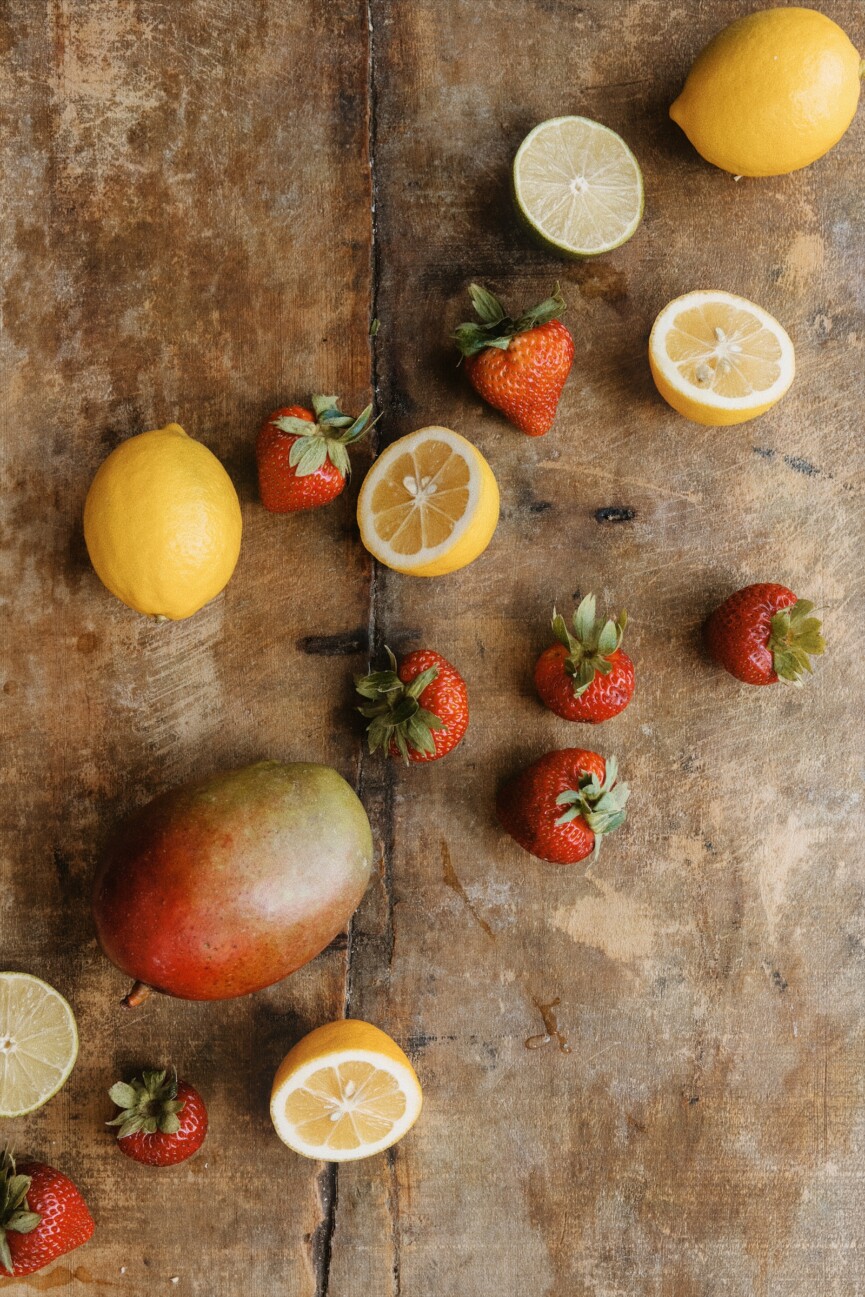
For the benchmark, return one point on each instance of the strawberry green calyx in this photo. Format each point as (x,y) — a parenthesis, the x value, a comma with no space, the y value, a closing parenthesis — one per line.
(394,713)
(149,1104)
(496,327)
(602,805)
(793,638)
(327,438)
(591,645)
(15,1214)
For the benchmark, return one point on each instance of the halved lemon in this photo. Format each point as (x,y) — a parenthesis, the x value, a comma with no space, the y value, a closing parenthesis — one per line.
(38,1043)
(578,186)
(344,1092)
(429,505)
(719,359)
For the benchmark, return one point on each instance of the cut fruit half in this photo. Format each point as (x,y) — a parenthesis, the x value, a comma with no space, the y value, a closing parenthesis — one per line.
(38,1043)
(719,359)
(578,186)
(429,505)
(344,1092)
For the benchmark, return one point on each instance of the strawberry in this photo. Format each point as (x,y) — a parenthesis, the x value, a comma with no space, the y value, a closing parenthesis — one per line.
(586,676)
(302,456)
(42,1215)
(518,365)
(419,709)
(561,805)
(763,634)
(163,1122)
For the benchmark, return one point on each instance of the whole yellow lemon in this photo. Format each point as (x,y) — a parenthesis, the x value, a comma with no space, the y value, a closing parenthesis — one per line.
(162,523)
(771,93)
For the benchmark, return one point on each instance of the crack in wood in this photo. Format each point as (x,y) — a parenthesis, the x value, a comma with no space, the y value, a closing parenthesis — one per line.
(393,1207)
(615,513)
(343,644)
(321,1241)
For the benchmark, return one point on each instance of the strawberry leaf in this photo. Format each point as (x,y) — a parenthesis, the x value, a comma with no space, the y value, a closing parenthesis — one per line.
(496,328)
(123,1095)
(795,636)
(322,404)
(601,805)
(296,427)
(394,713)
(487,307)
(23,1222)
(310,457)
(591,645)
(15,1213)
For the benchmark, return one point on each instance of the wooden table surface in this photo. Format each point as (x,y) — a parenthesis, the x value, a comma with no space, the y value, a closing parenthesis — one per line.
(188,234)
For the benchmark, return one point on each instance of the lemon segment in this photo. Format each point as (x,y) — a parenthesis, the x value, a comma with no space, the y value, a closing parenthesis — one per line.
(346,1091)
(162,523)
(429,505)
(771,93)
(577,186)
(719,359)
(38,1043)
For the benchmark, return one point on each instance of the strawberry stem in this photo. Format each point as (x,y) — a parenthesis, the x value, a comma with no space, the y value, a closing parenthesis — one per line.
(794,638)
(591,645)
(394,711)
(601,804)
(325,439)
(15,1213)
(496,327)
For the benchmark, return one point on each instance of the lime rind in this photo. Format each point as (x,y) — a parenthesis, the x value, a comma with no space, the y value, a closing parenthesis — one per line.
(40,1027)
(549,150)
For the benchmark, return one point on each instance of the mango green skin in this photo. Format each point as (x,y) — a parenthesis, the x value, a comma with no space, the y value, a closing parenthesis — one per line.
(222,887)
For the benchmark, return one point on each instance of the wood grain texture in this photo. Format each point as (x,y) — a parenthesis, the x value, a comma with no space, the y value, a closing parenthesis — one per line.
(186,234)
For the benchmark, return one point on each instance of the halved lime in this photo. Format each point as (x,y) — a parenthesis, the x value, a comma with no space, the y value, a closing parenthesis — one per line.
(578,186)
(38,1043)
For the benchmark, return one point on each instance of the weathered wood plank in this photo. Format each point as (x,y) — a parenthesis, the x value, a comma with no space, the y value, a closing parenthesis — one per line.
(185,236)
(705,1131)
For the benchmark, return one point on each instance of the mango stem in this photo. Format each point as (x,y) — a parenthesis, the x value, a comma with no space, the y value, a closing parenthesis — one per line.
(138,993)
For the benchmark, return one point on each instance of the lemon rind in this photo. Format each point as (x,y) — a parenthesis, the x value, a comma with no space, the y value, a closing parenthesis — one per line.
(405,1076)
(381,549)
(707,398)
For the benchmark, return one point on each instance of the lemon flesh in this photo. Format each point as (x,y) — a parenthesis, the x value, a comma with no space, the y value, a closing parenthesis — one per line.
(38,1043)
(429,505)
(577,186)
(346,1091)
(771,93)
(719,359)
(162,523)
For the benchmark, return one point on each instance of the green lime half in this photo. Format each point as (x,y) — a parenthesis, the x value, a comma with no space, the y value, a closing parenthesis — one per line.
(578,186)
(38,1043)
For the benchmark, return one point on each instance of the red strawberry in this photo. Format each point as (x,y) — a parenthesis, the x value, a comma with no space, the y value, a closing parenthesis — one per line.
(560,806)
(42,1215)
(518,365)
(163,1122)
(586,676)
(302,456)
(763,634)
(418,710)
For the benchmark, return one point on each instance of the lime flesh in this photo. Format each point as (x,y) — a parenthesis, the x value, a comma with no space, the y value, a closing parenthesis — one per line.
(578,187)
(38,1043)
